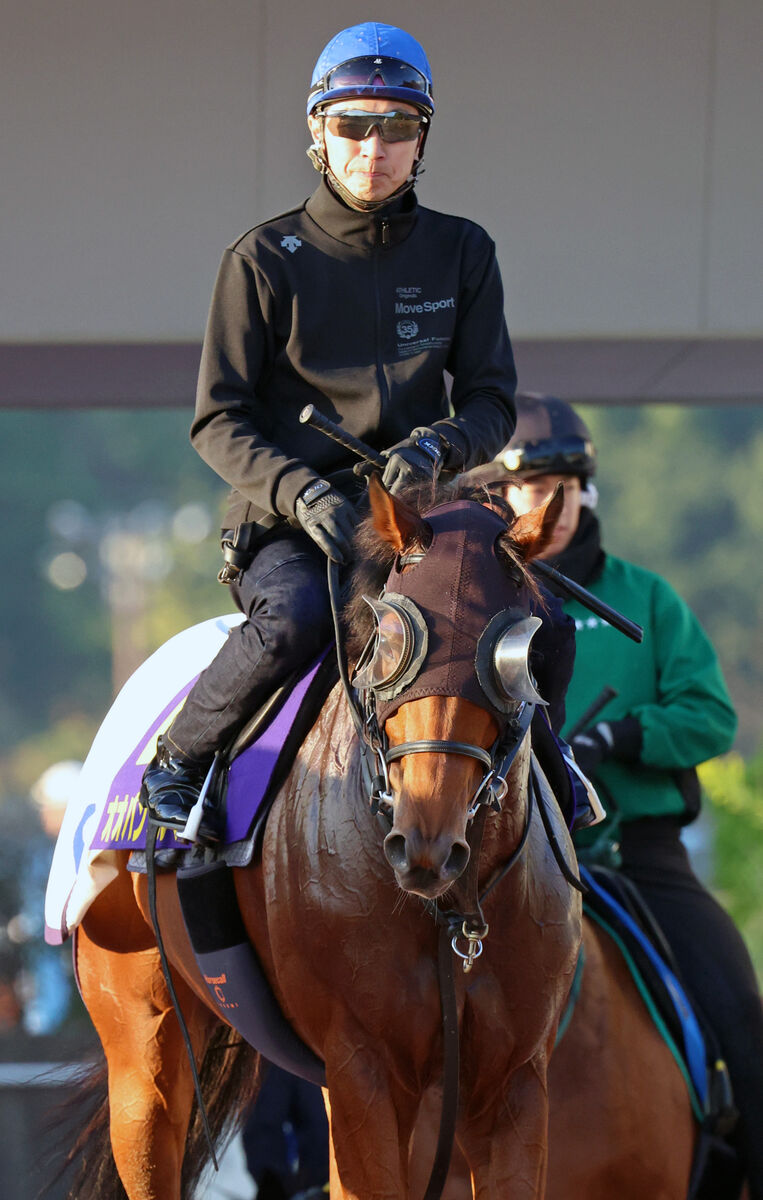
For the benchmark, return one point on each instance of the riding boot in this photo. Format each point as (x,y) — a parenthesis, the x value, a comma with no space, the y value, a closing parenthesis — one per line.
(170,788)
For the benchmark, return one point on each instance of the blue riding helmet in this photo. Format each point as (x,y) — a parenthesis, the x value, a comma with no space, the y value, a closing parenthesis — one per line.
(372,60)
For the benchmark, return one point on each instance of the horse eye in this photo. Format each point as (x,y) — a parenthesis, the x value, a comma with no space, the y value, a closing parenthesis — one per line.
(393,647)
(510,661)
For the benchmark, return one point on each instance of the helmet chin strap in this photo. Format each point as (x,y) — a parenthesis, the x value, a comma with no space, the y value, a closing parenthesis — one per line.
(317,155)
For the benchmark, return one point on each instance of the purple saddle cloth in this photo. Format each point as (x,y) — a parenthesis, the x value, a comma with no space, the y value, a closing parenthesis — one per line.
(123,823)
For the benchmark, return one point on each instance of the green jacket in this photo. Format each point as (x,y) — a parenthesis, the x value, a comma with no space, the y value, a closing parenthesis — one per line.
(672,683)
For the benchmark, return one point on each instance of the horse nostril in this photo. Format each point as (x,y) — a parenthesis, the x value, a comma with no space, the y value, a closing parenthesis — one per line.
(394,851)
(457,860)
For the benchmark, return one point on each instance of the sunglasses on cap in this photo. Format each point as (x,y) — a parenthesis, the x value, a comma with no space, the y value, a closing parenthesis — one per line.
(371,71)
(357,125)
(555,456)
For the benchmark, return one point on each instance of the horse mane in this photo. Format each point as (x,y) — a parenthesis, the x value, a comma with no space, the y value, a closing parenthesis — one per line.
(375,557)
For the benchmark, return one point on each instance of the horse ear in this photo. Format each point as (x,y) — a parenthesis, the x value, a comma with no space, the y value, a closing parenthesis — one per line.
(396,524)
(532,532)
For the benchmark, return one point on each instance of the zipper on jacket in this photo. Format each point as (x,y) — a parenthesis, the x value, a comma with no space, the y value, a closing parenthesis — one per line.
(382,378)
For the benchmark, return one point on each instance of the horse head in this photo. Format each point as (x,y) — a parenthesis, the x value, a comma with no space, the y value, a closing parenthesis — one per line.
(444,675)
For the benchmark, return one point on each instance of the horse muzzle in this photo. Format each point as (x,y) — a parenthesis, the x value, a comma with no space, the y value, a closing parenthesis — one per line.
(424,866)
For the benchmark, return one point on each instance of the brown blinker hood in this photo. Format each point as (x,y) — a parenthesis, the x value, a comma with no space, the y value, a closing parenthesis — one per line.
(459,586)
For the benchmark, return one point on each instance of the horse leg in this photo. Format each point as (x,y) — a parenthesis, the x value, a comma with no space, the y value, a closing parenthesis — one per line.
(370,1121)
(506,1143)
(150,1084)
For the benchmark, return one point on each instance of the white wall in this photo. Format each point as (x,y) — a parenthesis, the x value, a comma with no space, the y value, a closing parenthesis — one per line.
(612,148)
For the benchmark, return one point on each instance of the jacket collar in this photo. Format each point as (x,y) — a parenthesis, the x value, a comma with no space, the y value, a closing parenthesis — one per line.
(388,226)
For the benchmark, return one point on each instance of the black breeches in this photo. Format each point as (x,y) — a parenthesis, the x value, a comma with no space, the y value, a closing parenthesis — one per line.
(284,597)
(714,965)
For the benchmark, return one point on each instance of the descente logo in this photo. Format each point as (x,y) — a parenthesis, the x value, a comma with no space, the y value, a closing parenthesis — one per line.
(427,306)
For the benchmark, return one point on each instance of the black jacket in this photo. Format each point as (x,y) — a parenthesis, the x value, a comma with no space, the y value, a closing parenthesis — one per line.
(360,315)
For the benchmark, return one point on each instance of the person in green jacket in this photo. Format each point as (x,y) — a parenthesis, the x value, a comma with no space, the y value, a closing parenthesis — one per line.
(669,712)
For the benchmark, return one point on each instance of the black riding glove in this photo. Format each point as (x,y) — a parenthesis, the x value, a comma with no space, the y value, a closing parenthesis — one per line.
(329,518)
(415,460)
(608,739)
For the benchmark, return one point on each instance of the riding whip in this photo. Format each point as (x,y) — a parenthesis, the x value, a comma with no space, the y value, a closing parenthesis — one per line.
(591,602)
(311,416)
(602,700)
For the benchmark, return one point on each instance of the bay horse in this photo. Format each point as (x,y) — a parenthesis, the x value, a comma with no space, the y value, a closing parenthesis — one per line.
(347,945)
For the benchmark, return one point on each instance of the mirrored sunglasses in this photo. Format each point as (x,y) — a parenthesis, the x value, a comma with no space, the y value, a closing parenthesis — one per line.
(392,126)
(372,71)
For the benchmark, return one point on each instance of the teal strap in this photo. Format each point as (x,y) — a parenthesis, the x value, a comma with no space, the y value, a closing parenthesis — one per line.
(653,1012)
(572,999)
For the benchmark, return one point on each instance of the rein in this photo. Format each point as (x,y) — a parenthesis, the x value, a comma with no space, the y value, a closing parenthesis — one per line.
(151,836)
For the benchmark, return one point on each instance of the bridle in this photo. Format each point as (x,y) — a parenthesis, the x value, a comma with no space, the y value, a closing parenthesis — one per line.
(497,761)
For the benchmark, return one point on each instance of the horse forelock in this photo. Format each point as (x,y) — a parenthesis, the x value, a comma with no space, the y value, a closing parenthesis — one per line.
(375,558)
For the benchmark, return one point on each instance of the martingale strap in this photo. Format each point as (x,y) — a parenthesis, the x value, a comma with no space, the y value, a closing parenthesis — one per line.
(451,1068)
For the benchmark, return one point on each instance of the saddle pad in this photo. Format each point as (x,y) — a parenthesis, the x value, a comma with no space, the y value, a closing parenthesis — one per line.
(106,802)
(123,822)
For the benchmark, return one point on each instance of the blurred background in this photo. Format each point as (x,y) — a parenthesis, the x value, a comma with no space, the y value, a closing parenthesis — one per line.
(611,148)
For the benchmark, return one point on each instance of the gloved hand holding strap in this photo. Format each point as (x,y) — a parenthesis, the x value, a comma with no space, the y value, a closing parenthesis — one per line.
(329,518)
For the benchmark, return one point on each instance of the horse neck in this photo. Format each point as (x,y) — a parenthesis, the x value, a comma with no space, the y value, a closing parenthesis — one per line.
(334,753)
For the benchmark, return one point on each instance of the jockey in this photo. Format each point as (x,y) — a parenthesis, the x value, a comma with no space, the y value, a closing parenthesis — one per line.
(671,712)
(355,301)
